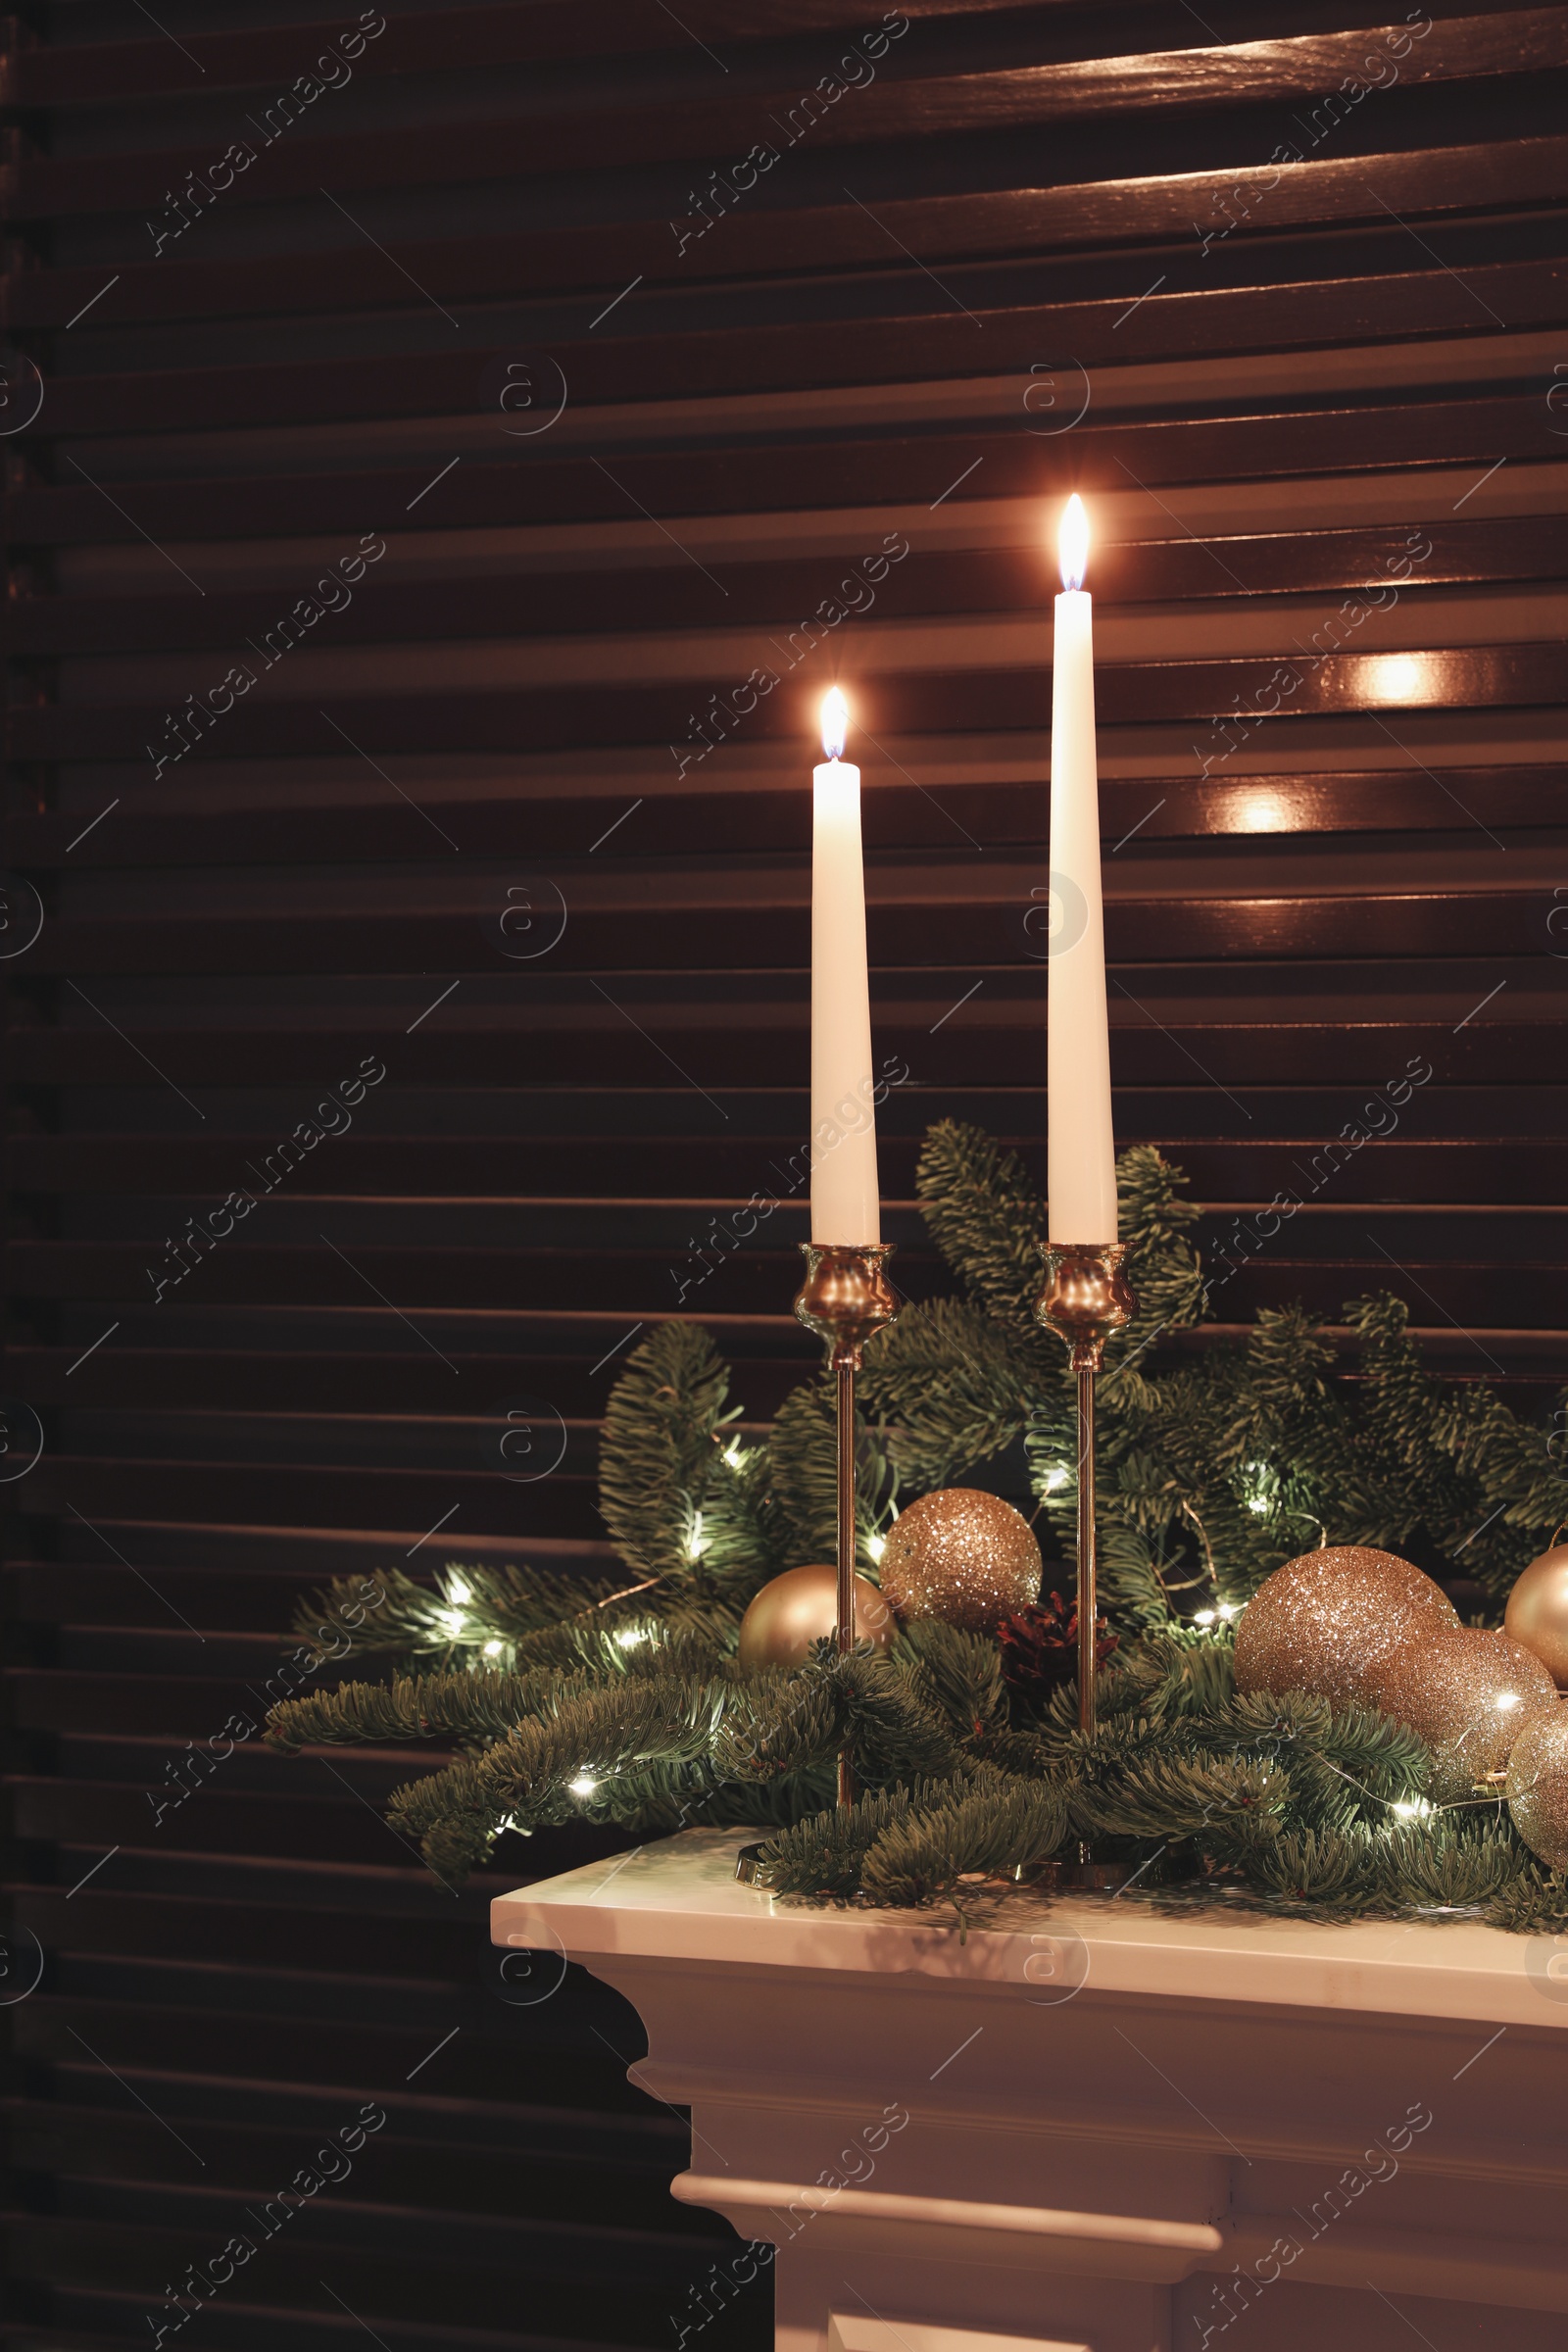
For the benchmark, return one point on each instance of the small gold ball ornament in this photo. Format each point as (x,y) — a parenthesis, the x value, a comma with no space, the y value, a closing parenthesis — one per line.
(1537,1611)
(1470,1695)
(963,1556)
(800,1607)
(1538,1787)
(1327,1621)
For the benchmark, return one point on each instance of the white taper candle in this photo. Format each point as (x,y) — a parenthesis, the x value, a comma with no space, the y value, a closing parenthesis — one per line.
(846,1205)
(1081,1151)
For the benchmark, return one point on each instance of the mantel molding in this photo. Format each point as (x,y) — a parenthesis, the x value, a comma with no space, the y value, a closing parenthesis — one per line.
(1094,2127)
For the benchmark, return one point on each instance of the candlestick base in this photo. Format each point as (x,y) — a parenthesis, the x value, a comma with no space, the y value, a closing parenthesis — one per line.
(846,1299)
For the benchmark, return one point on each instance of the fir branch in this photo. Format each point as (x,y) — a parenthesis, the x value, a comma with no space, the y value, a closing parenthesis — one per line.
(893,1728)
(1535,1901)
(1161,1265)
(779,1723)
(1443,1864)
(1320,1869)
(958,1387)
(428,1706)
(989,1223)
(821,1857)
(524,1779)
(1180,1797)
(745,1536)
(658,1450)
(803,1486)
(1504,1463)
(922,1858)
(957,1674)
(389,1611)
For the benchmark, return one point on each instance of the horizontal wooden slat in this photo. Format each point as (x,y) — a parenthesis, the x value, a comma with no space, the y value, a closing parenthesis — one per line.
(889,469)
(425,42)
(897,815)
(741,937)
(718,1169)
(746,1298)
(558,718)
(991,581)
(922,342)
(897,106)
(651,1284)
(395,1380)
(969,224)
(976,1049)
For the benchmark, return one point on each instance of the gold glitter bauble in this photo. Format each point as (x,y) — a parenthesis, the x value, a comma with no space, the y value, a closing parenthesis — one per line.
(1469,1694)
(963,1556)
(799,1607)
(1326,1622)
(1537,1611)
(1538,1787)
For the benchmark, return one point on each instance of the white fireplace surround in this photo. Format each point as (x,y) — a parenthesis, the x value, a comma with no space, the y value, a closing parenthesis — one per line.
(1089,2128)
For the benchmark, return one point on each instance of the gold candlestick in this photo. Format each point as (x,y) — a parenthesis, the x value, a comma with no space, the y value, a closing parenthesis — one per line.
(846,1299)
(1084,1300)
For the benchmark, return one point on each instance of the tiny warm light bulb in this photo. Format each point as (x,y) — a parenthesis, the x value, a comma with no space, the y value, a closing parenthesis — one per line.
(835,723)
(1072,543)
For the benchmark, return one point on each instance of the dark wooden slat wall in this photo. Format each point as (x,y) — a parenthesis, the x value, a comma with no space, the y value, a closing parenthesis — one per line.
(1282,293)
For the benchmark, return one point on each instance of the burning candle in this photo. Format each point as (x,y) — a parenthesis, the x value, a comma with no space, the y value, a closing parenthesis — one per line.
(846,1205)
(1081,1151)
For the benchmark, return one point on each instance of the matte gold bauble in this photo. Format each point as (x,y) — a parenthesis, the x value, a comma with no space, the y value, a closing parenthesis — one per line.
(1470,1694)
(1538,1787)
(1537,1611)
(963,1556)
(1327,1622)
(799,1609)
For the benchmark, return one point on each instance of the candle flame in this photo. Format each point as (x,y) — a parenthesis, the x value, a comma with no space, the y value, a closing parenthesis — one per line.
(835,723)
(1072,542)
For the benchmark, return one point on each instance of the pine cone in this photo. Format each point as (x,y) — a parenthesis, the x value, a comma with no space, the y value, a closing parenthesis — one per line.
(1039,1645)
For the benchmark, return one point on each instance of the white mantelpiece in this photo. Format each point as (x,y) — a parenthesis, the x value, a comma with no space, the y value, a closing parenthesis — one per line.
(1123,2133)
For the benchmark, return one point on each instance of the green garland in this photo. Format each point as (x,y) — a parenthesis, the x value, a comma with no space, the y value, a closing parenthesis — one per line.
(623,1701)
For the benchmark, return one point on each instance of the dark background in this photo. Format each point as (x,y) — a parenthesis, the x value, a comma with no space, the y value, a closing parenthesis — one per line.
(1290,373)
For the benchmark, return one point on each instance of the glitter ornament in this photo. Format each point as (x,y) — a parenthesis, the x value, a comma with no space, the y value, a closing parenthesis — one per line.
(1537,1611)
(1328,1621)
(800,1607)
(1538,1787)
(1470,1694)
(963,1556)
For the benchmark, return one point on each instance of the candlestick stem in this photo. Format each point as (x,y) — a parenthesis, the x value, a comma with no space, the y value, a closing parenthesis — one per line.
(1084,1300)
(846,1299)
(1088,1596)
(844,1632)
